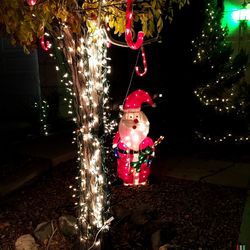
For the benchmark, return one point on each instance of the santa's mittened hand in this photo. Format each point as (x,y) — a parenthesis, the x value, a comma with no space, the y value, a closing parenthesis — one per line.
(114,145)
(149,161)
(116,153)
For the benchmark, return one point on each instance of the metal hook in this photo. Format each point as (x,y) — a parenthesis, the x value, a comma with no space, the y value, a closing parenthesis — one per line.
(128,32)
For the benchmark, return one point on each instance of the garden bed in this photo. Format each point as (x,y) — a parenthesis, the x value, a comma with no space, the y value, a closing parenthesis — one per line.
(182,214)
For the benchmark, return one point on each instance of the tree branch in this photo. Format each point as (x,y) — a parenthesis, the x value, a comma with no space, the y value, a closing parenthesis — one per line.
(124,44)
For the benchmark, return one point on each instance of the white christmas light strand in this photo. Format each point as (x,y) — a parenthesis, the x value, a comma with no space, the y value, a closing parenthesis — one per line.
(65,79)
(43,116)
(95,71)
(224,100)
(224,138)
(92,67)
(219,103)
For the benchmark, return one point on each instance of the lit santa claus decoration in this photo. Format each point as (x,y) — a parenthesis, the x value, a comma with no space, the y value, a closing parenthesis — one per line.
(133,148)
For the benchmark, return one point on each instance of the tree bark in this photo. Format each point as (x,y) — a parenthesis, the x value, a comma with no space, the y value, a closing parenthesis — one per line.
(86,63)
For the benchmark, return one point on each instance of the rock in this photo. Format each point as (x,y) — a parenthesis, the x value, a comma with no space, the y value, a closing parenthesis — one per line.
(168,247)
(117,182)
(26,242)
(162,236)
(120,212)
(164,247)
(138,218)
(142,215)
(3,225)
(67,225)
(156,240)
(43,231)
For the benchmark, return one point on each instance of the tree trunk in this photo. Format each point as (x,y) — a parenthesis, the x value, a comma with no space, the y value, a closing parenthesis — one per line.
(86,58)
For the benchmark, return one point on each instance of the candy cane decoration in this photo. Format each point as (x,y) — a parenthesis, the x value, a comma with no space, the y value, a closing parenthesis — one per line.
(44,45)
(128,32)
(31,2)
(137,69)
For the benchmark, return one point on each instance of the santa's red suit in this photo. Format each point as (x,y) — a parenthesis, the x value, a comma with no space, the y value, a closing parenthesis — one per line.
(133,148)
(126,155)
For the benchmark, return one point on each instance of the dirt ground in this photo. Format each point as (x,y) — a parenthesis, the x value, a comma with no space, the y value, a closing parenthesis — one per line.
(184,214)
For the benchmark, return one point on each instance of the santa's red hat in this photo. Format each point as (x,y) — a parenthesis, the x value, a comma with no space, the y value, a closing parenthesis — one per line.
(134,101)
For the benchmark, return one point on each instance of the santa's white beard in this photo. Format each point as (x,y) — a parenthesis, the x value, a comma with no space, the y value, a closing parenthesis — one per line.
(132,137)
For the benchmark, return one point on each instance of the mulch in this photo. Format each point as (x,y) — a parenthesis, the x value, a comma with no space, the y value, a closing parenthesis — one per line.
(189,215)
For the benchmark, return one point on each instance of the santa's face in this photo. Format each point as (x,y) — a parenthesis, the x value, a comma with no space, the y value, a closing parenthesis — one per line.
(133,129)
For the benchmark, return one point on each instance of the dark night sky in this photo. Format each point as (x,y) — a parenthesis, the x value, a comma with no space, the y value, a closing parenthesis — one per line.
(169,64)
(168,73)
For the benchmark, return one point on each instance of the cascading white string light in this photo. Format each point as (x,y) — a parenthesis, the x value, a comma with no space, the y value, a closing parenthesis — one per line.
(43,112)
(220,76)
(223,102)
(92,70)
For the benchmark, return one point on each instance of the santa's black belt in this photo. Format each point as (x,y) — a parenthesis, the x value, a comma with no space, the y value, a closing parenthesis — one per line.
(122,151)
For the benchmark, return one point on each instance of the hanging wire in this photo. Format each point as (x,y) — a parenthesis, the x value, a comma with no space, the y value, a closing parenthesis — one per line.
(131,78)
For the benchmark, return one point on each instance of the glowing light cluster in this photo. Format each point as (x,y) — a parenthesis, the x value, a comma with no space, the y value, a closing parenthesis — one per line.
(87,60)
(242,14)
(224,100)
(64,77)
(203,45)
(230,16)
(93,71)
(43,106)
(222,87)
(43,119)
(227,137)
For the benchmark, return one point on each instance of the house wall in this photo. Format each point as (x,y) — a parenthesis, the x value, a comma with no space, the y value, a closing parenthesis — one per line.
(53,91)
(239,33)
(20,88)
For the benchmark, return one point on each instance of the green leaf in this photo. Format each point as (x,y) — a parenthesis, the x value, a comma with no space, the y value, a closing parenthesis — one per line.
(159,25)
